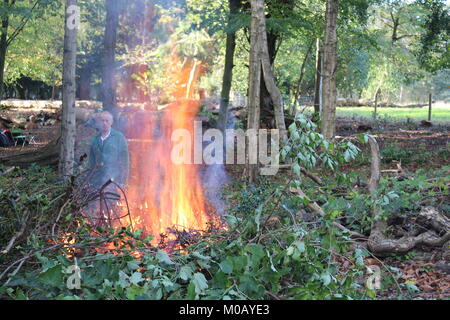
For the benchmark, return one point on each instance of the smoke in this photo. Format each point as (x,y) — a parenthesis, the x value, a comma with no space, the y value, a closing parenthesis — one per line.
(215,178)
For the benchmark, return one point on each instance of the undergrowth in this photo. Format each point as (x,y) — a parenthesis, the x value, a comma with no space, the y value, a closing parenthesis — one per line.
(268,249)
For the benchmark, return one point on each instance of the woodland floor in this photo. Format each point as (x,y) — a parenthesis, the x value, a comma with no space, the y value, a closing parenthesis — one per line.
(413,145)
(417,147)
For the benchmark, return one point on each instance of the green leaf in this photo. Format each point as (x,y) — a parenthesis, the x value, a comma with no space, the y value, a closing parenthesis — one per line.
(232,221)
(134,291)
(191,291)
(292,128)
(347,155)
(371,293)
(199,282)
(53,276)
(136,278)
(226,266)
(163,257)
(185,273)
(133,265)
(124,280)
(326,278)
(296,168)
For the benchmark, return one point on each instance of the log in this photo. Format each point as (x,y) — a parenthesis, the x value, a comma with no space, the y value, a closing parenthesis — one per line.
(431,218)
(46,156)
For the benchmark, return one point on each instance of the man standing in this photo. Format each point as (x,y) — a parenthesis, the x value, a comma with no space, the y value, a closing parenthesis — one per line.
(108,156)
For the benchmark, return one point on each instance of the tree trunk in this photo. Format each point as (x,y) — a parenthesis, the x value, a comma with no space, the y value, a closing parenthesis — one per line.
(228,70)
(68,125)
(300,78)
(266,103)
(377,95)
(318,80)
(329,93)
(53,93)
(254,87)
(85,84)
(281,9)
(269,79)
(3,49)
(108,81)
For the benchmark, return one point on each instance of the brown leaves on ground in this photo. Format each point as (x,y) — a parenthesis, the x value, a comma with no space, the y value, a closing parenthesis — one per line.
(433,284)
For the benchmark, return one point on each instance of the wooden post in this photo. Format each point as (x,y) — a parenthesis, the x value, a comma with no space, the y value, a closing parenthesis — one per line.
(377,94)
(429,107)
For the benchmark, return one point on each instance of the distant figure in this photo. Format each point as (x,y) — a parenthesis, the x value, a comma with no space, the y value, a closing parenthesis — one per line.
(108,156)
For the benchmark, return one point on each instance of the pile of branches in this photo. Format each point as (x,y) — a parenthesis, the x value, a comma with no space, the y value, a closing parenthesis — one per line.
(41,213)
(438,225)
(428,228)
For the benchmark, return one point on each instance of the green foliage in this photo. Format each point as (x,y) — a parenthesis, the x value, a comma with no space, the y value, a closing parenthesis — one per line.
(395,152)
(306,147)
(434,42)
(252,259)
(235,268)
(267,249)
(395,198)
(27,191)
(36,47)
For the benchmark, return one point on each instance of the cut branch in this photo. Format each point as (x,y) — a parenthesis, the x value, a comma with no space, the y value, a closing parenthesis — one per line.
(313,206)
(17,235)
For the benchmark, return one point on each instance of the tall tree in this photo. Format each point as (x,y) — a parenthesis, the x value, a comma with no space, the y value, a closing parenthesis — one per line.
(329,93)
(3,42)
(269,78)
(261,70)
(253,117)
(109,58)
(318,81)
(230,47)
(276,9)
(25,12)
(67,151)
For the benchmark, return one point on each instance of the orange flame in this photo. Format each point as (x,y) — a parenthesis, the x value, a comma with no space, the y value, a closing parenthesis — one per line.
(163,194)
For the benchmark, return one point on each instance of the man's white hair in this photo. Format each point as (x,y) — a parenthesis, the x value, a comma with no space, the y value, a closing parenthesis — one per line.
(109,114)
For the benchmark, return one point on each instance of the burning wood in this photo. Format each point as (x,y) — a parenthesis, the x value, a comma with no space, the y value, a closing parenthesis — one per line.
(161,193)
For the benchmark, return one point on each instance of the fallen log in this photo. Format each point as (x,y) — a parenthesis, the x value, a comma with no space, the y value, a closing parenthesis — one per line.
(431,218)
(46,156)
(8,123)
